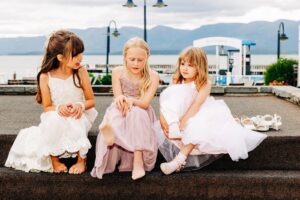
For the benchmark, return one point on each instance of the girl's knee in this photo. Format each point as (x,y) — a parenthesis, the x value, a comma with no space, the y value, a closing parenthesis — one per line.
(136,109)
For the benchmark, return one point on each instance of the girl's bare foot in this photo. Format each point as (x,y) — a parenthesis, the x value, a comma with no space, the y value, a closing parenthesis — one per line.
(58,167)
(107,132)
(79,167)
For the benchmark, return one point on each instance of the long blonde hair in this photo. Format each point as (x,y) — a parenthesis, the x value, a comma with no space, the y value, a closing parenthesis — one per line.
(197,58)
(140,43)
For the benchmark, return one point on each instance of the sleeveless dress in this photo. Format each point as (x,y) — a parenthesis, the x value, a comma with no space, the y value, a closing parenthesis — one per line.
(135,131)
(212,129)
(55,135)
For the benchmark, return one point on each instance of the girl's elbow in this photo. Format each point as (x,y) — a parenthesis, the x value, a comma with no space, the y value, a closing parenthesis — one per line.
(145,106)
(93,102)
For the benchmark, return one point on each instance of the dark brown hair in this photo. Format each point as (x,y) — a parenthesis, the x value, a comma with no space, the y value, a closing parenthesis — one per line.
(60,42)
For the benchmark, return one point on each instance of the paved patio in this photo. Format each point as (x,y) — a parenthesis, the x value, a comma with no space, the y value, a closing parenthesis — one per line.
(17,112)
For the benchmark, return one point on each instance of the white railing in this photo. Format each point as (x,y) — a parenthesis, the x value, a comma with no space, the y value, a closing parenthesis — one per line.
(3,78)
(248,80)
(165,70)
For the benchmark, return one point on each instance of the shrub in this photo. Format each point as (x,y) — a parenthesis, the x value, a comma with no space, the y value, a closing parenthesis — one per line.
(93,77)
(281,72)
(106,80)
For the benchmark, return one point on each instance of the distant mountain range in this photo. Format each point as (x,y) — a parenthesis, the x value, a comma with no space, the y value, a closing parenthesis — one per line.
(167,40)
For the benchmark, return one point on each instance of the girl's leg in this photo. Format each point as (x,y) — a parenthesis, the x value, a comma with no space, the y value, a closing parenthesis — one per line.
(169,167)
(138,165)
(58,167)
(79,167)
(107,132)
(187,149)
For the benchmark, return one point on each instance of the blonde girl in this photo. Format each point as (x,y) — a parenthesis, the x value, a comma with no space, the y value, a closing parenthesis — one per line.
(126,133)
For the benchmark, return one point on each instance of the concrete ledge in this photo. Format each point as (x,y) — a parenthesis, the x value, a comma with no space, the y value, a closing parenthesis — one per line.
(102,88)
(107,89)
(265,89)
(17,89)
(205,185)
(289,93)
(275,153)
(241,89)
(217,90)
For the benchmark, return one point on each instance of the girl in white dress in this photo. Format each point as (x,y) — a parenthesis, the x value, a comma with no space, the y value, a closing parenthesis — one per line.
(65,92)
(200,124)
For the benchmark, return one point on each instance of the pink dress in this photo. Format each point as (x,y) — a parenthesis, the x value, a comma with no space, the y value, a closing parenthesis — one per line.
(135,131)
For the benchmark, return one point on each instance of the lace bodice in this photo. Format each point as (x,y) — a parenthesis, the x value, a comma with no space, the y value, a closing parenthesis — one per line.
(64,91)
(129,87)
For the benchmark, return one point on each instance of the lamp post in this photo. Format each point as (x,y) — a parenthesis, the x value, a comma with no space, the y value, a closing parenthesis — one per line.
(158,4)
(115,34)
(298,73)
(280,37)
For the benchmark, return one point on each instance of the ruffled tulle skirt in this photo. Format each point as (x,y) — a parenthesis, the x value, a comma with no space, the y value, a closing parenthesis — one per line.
(133,132)
(56,136)
(214,131)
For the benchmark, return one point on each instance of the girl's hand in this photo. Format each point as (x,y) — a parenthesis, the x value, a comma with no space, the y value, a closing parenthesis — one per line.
(64,110)
(164,125)
(129,102)
(77,110)
(127,105)
(120,102)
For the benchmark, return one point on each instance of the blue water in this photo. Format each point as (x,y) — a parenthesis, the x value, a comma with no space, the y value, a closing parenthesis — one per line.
(27,66)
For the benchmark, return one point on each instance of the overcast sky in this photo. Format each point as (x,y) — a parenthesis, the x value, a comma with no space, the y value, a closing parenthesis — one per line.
(40,17)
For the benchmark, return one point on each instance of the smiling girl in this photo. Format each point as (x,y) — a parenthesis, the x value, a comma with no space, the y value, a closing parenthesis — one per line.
(65,92)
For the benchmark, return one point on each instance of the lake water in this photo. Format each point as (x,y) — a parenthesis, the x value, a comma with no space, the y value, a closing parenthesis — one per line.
(27,66)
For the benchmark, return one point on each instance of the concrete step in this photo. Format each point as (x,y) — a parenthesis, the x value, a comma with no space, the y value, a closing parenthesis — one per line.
(275,153)
(203,184)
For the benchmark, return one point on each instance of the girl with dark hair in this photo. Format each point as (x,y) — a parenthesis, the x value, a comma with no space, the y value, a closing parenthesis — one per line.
(65,92)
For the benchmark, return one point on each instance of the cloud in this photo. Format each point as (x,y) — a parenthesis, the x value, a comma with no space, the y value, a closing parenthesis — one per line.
(39,17)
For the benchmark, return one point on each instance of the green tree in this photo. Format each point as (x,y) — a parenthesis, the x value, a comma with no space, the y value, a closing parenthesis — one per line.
(281,72)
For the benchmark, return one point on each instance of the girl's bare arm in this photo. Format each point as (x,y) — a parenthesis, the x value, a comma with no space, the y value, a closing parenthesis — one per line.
(146,99)
(87,88)
(45,93)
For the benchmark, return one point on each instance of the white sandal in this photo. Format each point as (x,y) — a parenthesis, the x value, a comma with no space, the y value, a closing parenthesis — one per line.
(276,122)
(247,122)
(260,123)
(269,119)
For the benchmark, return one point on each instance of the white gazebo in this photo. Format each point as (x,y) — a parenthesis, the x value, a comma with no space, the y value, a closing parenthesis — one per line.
(239,68)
